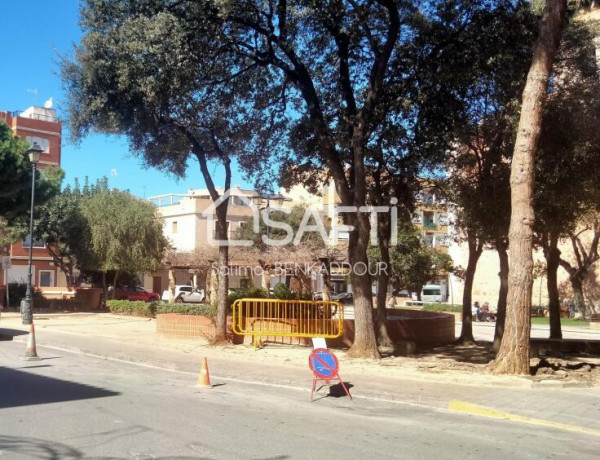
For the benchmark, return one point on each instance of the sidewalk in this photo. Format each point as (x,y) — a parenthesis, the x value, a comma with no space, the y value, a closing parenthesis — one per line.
(400,380)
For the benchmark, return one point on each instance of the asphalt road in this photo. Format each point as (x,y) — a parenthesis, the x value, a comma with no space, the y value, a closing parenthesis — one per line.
(70,405)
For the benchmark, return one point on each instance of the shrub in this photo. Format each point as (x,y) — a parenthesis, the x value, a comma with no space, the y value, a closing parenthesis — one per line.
(151,309)
(133,308)
(60,304)
(187,309)
(282,292)
(16,292)
(249,293)
(442,307)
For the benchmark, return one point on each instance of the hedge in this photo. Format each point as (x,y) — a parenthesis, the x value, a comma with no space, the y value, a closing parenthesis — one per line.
(151,309)
(187,309)
(442,307)
(133,308)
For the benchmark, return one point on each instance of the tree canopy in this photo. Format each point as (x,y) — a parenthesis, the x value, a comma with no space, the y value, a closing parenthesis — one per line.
(345,87)
(15,178)
(125,233)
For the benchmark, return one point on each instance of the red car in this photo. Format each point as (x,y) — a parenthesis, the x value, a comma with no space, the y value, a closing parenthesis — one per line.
(136,293)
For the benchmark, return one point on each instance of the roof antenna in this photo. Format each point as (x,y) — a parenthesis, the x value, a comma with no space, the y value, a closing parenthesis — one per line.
(34,91)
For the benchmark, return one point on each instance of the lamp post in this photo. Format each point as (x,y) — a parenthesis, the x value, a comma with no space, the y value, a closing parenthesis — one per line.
(34,153)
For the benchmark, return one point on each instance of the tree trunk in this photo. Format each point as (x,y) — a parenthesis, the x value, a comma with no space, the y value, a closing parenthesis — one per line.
(223,276)
(580,305)
(466,331)
(585,259)
(214,286)
(222,231)
(552,255)
(326,279)
(114,291)
(365,341)
(287,280)
(171,285)
(208,284)
(265,278)
(383,337)
(104,290)
(501,248)
(513,355)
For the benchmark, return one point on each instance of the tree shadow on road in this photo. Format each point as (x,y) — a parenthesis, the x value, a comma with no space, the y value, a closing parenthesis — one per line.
(21,388)
(9,334)
(14,446)
(481,353)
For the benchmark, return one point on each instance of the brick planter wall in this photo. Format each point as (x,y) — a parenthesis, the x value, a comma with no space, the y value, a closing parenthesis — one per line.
(191,327)
(421,327)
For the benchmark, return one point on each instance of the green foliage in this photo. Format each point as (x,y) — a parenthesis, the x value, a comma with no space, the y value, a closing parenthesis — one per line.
(60,304)
(568,322)
(15,178)
(413,264)
(125,233)
(282,292)
(188,309)
(136,308)
(567,187)
(17,293)
(291,220)
(478,183)
(251,292)
(151,309)
(442,307)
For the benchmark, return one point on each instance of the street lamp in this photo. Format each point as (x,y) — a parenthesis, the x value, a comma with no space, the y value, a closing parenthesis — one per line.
(34,153)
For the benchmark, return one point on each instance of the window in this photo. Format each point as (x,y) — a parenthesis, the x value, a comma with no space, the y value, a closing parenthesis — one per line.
(43,143)
(36,243)
(416,218)
(46,278)
(174,227)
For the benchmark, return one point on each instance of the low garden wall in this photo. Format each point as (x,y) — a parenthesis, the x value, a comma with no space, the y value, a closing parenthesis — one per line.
(60,297)
(191,327)
(421,327)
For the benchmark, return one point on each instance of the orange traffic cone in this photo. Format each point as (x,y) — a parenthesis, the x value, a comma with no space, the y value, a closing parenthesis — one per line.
(204,377)
(31,352)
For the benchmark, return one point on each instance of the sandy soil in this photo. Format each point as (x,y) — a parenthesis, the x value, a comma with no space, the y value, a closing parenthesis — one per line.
(451,364)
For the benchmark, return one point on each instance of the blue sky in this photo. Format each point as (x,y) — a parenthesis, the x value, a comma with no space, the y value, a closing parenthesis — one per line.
(34,33)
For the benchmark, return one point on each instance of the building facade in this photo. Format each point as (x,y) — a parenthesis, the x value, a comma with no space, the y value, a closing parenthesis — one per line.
(190,225)
(41,125)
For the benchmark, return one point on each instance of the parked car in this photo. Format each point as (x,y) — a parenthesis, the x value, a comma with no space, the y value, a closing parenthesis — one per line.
(401,293)
(135,293)
(345,298)
(185,293)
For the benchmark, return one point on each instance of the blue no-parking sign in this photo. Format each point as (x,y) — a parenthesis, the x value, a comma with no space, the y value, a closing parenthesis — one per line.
(323,363)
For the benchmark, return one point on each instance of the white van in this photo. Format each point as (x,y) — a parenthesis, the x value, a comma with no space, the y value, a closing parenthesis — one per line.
(431,293)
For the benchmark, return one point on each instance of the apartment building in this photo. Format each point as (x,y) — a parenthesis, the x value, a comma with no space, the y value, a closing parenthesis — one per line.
(190,224)
(41,125)
(431,218)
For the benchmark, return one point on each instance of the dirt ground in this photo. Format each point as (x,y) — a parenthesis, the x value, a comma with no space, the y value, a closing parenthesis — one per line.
(467,365)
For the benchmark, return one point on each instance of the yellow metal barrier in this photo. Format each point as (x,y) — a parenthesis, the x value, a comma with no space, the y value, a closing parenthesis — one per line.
(287,318)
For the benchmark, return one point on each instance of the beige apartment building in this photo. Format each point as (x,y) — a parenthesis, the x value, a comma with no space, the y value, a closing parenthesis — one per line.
(190,225)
